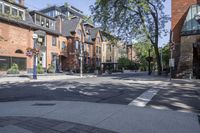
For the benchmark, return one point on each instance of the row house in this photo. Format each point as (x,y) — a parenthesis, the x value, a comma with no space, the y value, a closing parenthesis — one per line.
(83,38)
(111,52)
(61,41)
(17,26)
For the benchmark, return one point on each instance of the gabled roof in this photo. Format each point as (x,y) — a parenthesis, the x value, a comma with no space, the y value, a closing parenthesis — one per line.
(28,23)
(93,32)
(70,26)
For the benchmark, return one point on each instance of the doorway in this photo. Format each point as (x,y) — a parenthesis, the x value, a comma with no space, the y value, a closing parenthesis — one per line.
(196,60)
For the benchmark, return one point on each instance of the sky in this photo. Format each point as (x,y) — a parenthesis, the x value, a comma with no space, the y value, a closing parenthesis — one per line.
(84,5)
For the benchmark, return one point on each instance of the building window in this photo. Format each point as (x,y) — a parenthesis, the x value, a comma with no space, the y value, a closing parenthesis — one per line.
(51,24)
(42,21)
(1,8)
(7,9)
(53,41)
(14,12)
(21,15)
(37,19)
(99,50)
(19,51)
(76,44)
(47,23)
(89,38)
(64,47)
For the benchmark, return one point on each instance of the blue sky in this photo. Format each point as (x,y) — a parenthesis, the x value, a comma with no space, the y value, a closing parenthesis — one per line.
(83,5)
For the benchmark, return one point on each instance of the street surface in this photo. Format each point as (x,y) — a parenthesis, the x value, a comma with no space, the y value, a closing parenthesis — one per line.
(124,103)
(113,89)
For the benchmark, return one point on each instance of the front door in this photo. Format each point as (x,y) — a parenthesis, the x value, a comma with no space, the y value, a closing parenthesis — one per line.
(196,60)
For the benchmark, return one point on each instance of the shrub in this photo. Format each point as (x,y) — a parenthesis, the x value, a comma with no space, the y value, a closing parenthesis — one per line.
(51,68)
(13,70)
(40,69)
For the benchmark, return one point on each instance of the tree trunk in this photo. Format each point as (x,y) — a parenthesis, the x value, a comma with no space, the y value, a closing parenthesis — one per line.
(158,59)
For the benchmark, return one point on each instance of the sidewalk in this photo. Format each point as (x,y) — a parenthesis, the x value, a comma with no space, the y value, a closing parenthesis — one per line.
(40,78)
(117,118)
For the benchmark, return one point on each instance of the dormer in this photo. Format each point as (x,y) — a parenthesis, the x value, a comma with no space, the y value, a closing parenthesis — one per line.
(43,20)
(12,9)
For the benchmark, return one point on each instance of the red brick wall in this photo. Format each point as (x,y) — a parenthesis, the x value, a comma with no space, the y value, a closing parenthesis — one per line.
(179,12)
(15,38)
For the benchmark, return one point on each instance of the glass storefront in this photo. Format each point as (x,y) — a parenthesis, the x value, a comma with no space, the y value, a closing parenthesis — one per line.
(6,62)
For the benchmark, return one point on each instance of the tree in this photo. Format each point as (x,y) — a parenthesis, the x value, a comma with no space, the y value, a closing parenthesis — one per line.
(166,56)
(142,52)
(127,64)
(133,19)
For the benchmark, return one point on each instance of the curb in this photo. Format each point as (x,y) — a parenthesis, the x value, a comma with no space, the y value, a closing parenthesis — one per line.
(39,80)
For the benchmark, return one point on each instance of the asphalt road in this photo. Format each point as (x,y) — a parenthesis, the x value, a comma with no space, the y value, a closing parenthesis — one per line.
(116,89)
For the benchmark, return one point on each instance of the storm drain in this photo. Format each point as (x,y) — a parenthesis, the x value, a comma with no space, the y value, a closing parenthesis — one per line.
(44,104)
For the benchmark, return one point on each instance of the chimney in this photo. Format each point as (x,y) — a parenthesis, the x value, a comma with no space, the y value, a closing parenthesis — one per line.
(21,2)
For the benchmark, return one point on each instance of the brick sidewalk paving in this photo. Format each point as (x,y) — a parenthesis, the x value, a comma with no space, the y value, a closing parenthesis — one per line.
(42,125)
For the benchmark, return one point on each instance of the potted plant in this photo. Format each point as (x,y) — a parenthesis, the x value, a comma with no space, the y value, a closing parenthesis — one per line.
(13,70)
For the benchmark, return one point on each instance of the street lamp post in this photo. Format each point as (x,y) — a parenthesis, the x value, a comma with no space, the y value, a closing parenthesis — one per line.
(35,36)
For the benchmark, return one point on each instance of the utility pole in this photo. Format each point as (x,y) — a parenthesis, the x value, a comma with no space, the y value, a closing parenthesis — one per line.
(149,61)
(81,60)
(161,58)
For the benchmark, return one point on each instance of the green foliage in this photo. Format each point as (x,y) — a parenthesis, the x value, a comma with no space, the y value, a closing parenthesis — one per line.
(142,52)
(166,56)
(133,18)
(127,64)
(14,69)
(51,68)
(40,69)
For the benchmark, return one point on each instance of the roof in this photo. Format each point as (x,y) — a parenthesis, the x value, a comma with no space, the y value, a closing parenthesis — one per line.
(93,32)
(27,23)
(70,26)
(42,14)
(47,9)
(14,3)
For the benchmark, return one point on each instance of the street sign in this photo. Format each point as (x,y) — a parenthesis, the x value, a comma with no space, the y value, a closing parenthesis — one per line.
(171,62)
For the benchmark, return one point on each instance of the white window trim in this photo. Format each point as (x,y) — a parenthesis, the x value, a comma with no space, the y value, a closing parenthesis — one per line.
(4,8)
(13,7)
(23,13)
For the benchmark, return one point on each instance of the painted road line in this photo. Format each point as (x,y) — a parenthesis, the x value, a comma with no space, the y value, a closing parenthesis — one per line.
(143,99)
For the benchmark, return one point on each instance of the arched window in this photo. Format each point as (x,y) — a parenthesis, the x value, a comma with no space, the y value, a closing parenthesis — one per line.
(19,51)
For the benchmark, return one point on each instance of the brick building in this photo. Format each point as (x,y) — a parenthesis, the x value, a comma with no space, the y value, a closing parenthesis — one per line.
(17,27)
(62,35)
(186,36)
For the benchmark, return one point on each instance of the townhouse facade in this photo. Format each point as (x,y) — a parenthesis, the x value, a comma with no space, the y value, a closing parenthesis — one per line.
(186,38)
(64,36)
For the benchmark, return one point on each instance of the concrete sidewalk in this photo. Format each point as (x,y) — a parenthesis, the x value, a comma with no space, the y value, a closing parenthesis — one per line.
(4,80)
(113,117)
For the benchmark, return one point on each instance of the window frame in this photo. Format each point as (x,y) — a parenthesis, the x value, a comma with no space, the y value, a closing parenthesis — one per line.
(54,41)
(23,15)
(4,8)
(36,21)
(1,10)
(15,8)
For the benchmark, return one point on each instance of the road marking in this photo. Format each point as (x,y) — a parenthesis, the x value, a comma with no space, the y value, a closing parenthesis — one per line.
(143,99)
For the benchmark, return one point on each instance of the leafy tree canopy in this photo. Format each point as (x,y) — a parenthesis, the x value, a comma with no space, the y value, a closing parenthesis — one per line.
(130,19)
